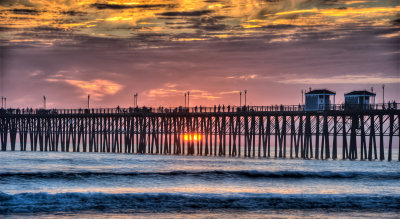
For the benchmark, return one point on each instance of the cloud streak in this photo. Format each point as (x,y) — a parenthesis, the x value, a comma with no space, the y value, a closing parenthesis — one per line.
(98,88)
(345,79)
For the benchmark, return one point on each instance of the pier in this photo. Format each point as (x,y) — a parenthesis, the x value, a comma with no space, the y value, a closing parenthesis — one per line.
(336,132)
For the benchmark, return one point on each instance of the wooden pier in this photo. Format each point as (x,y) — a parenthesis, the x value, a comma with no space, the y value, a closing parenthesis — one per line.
(267,131)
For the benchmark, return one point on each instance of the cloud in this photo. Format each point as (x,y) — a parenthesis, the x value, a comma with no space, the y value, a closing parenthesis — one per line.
(24,11)
(170,85)
(97,88)
(285,39)
(243,77)
(229,92)
(125,6)
(344,79)
(186,13)
(207,20)
(195,94)
(389,35)
(355,2)
(172,90)
(162,92)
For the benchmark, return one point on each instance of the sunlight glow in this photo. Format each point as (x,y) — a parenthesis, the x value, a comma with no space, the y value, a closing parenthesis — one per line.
(190,137)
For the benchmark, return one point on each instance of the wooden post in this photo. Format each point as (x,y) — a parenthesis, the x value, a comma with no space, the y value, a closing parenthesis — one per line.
(335,133)
(277,133)
(317,137)
(353,137)
(391,121)
(363,142)
(292,135)
(260,134)
(345,154)
(381,146)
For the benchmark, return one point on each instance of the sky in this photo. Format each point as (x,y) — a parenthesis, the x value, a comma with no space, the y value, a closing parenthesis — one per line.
(214,49)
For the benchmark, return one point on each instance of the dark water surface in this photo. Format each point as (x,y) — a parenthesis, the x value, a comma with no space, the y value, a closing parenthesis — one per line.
(69,185)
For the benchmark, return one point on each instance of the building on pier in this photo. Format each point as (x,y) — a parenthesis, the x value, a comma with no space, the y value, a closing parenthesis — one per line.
(357,100)
(321,99)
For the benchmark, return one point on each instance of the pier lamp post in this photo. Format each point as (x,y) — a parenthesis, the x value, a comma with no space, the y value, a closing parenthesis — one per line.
(372,91)
(240,98)
(2,99)
(188,99)
(302,93)
(137,97)
(5,102)
(185,99)
(383,95)
(44,102)
(245,93)
(88,101)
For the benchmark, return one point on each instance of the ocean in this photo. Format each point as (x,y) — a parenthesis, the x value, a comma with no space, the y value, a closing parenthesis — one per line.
(77,185)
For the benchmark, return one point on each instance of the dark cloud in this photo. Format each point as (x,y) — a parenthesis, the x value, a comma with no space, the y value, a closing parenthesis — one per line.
(186,13)
(328,2)
(208,23)
(20,18)
(396,22)
(116,6)
(47,28)
(279,26)
(5,29)
(74,13)
(17,2)
(24,11)
(383,31)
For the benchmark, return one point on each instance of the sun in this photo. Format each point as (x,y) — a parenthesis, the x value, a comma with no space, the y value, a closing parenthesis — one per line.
(190,137)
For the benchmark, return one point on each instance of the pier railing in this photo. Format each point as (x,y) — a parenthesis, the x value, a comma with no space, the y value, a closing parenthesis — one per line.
(201,109)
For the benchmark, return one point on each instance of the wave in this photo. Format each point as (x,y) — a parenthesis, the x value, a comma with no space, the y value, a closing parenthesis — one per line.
(163,202)
(210,174)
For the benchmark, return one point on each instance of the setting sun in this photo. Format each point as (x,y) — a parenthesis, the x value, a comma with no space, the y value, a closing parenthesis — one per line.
(195,137)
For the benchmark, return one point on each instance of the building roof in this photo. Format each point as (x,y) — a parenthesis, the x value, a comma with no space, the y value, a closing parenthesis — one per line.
(360,92)
(321,91)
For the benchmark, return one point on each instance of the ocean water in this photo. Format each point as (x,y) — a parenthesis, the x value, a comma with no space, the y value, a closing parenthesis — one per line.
(76,185)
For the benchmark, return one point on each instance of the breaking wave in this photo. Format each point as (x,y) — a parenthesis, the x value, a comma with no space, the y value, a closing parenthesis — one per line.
(211,174)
